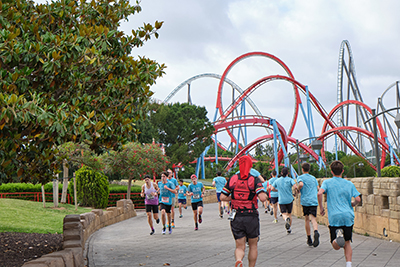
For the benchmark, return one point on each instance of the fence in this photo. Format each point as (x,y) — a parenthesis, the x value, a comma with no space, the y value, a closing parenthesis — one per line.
(37,196)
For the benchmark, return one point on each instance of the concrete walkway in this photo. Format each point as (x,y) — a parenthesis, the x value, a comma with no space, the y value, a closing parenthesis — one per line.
(128,243)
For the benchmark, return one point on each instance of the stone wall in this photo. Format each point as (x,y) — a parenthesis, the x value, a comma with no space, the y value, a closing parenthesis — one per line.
(378,213)
(77,228)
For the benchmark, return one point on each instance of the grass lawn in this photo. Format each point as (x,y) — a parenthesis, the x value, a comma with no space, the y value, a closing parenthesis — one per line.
(25,216)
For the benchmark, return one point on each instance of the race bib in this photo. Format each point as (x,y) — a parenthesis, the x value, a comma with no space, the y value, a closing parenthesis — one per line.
(181,191)
(165,199)
(150,196)
(196,196)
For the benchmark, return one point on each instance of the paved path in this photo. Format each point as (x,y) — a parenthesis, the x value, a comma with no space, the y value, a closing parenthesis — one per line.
(128,243)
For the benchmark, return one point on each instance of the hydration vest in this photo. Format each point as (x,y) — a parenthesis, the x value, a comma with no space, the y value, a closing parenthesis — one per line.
(244,197)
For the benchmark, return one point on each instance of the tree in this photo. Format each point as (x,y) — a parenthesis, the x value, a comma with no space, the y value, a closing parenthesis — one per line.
(134,161)
(67,75)
(184,129)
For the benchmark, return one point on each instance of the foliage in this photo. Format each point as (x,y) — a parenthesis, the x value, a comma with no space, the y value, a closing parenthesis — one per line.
(135,160)
(390,171)
(91,187)
(184,129)
(353,163)
(67,75)
(24,187)
(78,155)
(32,217)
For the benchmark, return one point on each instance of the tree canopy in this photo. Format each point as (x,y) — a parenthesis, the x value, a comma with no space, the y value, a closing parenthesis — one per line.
(184,129)
(67,75)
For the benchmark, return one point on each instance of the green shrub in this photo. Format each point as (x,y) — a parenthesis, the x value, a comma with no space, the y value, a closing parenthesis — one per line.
(92,188)
(23,187)
(391,171)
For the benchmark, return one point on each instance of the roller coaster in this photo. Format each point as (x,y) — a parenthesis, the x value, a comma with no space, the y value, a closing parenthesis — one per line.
(348,124)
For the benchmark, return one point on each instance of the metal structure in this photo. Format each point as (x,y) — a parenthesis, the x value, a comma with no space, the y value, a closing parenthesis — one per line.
(352,131)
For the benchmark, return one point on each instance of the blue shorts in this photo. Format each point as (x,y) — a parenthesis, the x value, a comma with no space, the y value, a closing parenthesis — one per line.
(181,200)
(219,196)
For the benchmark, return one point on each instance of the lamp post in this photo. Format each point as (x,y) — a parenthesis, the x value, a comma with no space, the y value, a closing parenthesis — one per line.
(360,164)
(373,118)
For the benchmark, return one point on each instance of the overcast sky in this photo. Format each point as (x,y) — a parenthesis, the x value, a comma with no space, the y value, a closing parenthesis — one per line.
(205,36)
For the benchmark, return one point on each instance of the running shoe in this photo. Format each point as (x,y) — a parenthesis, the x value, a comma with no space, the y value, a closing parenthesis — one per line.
(186,208)
(339,238)
(152,232)
(268,208)
(280,214)
(287,224)
(196,228)
(221,210)
(200,219)
(316,239)
(180,216)
(239,263)
(163,231)
(309,242)
(221,216)
(170,230)
(266,211)
(158,221)
(272,212)
(173,225)
(275,221)
(288,231)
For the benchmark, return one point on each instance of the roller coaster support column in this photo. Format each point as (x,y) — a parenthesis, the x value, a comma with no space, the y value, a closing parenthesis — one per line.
(277,134)
(298,157)
(216,141)
(378,164)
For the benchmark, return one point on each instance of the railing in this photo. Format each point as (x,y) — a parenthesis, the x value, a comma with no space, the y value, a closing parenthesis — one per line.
(37,197)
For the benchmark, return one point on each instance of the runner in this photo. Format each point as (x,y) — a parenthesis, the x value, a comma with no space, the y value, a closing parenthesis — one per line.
(196,191)
(284,187)
(167,191)
(266,203)
(242,190)
(149,192)
(340,209)
(175,183)
(308,187)
(273,197)
(182,197)
(219,183)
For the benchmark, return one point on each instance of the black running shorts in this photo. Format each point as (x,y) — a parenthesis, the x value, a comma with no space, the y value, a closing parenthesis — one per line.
(245,226)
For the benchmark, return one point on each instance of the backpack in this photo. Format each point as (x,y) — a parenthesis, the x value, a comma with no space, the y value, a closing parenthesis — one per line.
(243,193)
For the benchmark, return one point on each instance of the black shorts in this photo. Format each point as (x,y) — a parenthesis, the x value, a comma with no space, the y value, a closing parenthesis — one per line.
(165,207)
(245,226)
(274,200)
(307,210)
(182,201)
(347,232)
(152,208)
(197,204)
(286,208)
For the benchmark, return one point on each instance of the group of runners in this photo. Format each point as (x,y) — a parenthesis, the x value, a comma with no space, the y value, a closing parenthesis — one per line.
(161,197)
(241,193)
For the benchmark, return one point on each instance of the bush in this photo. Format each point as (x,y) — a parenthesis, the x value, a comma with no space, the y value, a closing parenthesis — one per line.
(23,187)
(390,171)
(92,188)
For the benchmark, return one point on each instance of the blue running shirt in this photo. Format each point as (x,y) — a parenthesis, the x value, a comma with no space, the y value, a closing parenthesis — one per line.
(271,181)
(219,183)
(338,196)
(197,190)
(309,191)
(181,192)
(284,187)
(166,195)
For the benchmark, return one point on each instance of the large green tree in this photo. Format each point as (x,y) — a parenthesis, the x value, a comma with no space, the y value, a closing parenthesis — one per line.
(184,129)
(66,74)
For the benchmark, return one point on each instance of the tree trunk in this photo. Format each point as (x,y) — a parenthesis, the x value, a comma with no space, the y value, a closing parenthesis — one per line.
(65,183)
(75,200)
(55,192)
(128,194)
(43,197)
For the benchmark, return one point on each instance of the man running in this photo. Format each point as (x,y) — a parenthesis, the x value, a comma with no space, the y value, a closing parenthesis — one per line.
(242,190)
(219,183)
(167,192)
(149,192)
(340,209)
(175,183)
(284,187)
(196,191)
(308,187)
(273,197)
(181,197)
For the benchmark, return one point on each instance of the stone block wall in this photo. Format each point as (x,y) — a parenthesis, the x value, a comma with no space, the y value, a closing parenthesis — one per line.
(77,228)
(378,213)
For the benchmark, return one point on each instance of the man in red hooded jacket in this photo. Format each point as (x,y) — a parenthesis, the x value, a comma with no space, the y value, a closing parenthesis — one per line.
(242,190)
